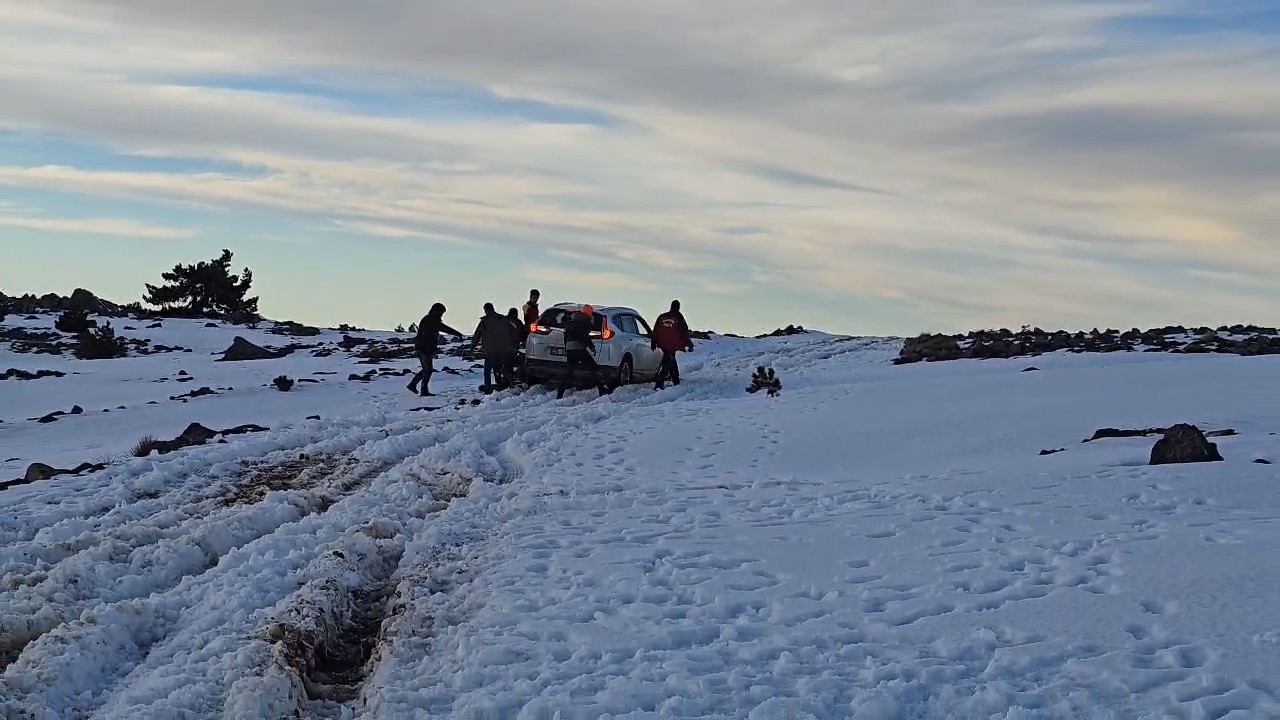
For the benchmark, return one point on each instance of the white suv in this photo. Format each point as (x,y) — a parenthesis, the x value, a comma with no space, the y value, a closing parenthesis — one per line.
(622,338)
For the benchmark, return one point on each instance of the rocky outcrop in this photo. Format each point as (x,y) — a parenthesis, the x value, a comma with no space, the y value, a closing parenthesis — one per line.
(1184,443)
(79,300)
(37,472)
(195,434)
(293,329)
(1030,342)
(16,374)
(784,332)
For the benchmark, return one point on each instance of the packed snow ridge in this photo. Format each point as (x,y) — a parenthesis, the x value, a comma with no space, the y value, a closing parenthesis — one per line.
(877,540)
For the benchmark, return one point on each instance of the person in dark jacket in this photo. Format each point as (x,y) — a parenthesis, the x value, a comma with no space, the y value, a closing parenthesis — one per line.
(496,337)
(427,344)
(671,335)
(578,349)
(530,314)
(522,334)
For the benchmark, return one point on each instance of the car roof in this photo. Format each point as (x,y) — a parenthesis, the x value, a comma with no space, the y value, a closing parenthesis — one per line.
(606,309)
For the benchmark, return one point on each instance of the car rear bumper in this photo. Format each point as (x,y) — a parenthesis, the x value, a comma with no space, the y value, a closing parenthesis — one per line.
(536,369)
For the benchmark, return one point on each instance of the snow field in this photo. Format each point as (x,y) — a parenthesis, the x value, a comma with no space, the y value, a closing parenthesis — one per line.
(858,548)
(878,542)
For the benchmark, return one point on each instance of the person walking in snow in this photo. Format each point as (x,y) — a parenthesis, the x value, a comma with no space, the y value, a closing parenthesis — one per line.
(578,349)
(671,335)
(427,344)
(496,337)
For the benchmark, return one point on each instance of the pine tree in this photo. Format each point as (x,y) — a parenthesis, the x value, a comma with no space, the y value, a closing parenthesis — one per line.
(208,287)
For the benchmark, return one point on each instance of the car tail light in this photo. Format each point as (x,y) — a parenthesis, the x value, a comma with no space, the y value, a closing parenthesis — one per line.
(533,328)
(604,334)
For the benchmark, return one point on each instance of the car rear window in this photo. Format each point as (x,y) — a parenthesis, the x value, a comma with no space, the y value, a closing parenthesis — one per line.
(556,318)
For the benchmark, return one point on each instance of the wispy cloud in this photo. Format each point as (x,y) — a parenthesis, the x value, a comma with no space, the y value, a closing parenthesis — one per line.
(969,161)
(96,226)
(602,280)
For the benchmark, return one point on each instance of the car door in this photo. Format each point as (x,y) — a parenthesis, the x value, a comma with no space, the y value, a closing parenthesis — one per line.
(625,339)
(652,359)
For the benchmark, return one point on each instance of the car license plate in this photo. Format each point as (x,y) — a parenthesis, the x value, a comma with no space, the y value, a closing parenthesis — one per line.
(558,352)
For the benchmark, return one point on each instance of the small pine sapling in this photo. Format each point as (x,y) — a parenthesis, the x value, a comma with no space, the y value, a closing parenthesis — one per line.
(765,379)
(101,343)
(73,321)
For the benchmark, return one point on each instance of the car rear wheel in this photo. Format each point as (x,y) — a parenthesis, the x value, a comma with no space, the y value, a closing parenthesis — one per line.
(626,371)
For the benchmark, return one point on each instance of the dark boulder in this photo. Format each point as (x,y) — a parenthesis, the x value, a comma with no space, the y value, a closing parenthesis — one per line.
(294,329)
(86,301)
(39,471)
(283,383)
(242,349)
(1184,443)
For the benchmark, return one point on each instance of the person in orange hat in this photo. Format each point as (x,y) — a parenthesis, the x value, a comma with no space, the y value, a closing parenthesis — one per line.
(578,349)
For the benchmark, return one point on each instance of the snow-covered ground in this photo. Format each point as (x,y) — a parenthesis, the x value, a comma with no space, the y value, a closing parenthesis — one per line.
(877,542)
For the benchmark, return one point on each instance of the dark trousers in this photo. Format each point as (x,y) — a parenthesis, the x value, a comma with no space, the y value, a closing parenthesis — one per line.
(669,370)
(423,375)
(574,359)
(497,368)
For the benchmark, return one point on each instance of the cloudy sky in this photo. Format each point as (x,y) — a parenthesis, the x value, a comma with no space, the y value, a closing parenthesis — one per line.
(855,165)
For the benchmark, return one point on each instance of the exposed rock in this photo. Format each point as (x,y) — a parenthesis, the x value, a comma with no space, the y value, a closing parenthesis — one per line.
(39,471)
(784,332)
(928,348)
(197,434)
(77,410)
(1052,452)
(198,392)
(155,326)
(243,430)
(283,383)
(86,301)
(183,373)
(212,325)
(1104,433)
(1184,443)
(1033,368)
(50,418)
(16,374)
(1262,461)
(294,329)
(313,417)
(242,349)
(1003,343)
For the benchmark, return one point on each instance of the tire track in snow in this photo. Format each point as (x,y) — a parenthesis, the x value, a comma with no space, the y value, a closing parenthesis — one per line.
(396,446)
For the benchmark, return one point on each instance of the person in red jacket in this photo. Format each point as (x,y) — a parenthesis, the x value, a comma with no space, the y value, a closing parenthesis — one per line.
(671,335)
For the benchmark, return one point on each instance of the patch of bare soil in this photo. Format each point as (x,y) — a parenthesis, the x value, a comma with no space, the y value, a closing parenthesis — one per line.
(304,472)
